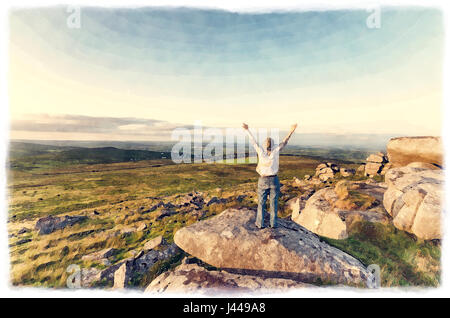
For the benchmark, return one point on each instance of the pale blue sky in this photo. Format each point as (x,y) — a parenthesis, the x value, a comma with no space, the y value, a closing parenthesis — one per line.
(326,70)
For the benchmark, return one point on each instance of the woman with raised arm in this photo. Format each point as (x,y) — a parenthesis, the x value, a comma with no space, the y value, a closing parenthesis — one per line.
(267,168)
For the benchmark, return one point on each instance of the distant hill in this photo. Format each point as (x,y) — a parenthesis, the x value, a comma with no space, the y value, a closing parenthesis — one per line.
(26,149)
(28,156)
(159,146)
(108,155)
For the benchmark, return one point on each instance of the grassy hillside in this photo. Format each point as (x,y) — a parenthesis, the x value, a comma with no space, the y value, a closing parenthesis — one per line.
(119,193)
(117,196)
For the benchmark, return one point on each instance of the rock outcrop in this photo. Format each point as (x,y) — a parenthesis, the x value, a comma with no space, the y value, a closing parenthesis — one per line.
(404,150)
(141,264)
(375,164)
(305,183)
(50,223)
(192,278)
(414,200)
(232,241)
(330,212)
(326,171)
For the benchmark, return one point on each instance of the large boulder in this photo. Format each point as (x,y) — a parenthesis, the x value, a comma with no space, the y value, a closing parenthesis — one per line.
(404,150)
(192,278)
(296,204)
(332,212)
(50,223)
(232,241)
(319,216)
(414,200)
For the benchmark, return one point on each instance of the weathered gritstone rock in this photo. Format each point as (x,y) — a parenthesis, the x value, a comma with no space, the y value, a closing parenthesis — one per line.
(216,200)
(154,243)
(191,278)
(326,171)
(319,217)
(106,253)
(23,231)
(346,172)
(128,231)
(164,213)
(404,150)
(141,227)
(376,164)
(232,241)
(50,223)
(295,205)
(298,183)
(378,157)
(322,217)
(121,272)
(333,166)
(141,264)
(89,276)
(107,274)
(385,168)
(154,207)
(423,165)
(192,199)
(373,168)
(413,199)
(361,168)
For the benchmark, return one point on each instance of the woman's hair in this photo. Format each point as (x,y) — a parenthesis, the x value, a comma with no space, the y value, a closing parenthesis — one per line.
(268,144)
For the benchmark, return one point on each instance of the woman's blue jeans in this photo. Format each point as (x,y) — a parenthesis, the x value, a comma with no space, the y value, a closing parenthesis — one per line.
(268,186)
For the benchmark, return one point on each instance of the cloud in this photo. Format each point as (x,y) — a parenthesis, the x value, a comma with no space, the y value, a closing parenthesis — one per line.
(114,126)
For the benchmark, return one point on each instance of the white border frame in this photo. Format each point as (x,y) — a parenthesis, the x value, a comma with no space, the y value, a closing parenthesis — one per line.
(6,290)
